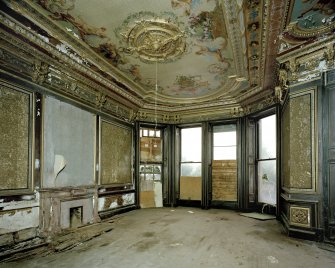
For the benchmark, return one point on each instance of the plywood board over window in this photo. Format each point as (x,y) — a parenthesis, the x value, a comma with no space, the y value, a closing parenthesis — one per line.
(115,154)
(16,126)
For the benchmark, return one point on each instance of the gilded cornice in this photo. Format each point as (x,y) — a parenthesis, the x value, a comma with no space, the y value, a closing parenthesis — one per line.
(237,33)
(53,76)
(265,35)
(74,61)
(306,63)
(206,114)
(292,28)
(31,10)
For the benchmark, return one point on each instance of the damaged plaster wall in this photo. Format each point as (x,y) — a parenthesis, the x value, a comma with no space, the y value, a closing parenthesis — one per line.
(69,138)
(115,201)
(12,214)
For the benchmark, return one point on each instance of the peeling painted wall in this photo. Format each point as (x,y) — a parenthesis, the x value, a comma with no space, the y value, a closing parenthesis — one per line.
(115,201)
(18,215)
(69,138)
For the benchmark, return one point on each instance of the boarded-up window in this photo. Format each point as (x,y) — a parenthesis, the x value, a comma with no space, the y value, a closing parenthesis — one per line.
(116,154)
(15,108)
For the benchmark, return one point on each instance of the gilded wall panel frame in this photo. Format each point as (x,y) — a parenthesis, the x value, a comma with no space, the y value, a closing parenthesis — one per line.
(116,153)
(285,145)
(300,187)
(17,140)
(300,216)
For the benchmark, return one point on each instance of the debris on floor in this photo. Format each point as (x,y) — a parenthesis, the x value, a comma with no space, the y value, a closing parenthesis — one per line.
(272,259)
(77,236)
(190,211)
(65,241)
(258,216)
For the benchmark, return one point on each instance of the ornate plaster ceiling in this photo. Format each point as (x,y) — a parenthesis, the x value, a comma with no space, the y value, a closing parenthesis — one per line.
(199,53)
(308,17)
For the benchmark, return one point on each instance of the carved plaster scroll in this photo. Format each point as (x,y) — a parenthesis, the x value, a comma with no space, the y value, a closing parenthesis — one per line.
(100,100)
(293,68)
(40,72)
(329,55)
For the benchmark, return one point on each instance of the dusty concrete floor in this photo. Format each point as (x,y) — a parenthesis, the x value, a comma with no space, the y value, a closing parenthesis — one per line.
(178,238)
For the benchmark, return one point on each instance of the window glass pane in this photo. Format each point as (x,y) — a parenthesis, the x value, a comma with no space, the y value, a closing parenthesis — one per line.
(267,182)
(224,153)
(145,132)
(158,133)
(267,137)
(157,177)
(157,169)
(142,169)
(149,177)
(225,138)
(151,149)
(224,135)
(191,169)
(191,144)
(151,133)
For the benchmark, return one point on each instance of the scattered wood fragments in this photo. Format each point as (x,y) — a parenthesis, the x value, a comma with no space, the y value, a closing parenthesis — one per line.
(67,240)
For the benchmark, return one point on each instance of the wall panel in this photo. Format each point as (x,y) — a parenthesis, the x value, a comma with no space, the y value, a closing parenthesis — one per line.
(15,133)
(301,144)
(116,154)
(68,145)
(286,145)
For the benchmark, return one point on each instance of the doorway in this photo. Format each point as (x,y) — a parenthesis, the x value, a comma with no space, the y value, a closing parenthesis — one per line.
(190,180)
(151,165)
(224,165)
(266,161)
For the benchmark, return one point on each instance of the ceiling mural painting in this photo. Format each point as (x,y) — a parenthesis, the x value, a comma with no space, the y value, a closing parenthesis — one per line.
(167,55)
(187,39)
(311,17)
(253,17)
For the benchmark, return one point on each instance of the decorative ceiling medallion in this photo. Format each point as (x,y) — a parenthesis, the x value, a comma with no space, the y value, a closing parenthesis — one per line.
(155,40)
(152,37)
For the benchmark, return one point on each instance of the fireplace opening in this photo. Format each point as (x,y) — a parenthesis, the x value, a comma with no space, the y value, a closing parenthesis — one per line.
(76,217)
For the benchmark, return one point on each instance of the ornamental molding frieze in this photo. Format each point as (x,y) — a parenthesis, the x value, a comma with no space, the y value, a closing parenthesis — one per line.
(56,81)
(64,55)
(100,100)
(233,10)
(308,19)
(40,72)
(152,116)
(300,216)
(33,10)
(294,30)
(306,63)
(266,102)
